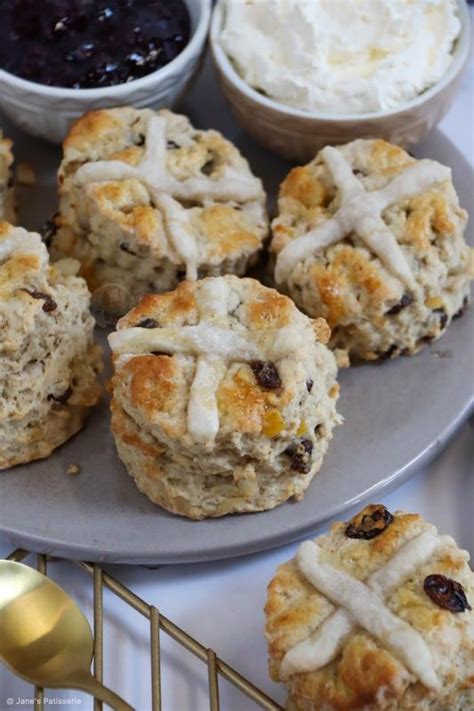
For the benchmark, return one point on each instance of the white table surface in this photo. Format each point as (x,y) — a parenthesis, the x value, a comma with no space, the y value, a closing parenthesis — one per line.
(222,603)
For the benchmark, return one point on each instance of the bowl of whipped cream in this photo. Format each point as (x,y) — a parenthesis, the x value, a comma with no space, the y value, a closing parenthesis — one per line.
(301,74)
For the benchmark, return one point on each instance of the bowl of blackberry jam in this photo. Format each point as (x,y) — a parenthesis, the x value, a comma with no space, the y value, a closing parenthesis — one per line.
(60,58)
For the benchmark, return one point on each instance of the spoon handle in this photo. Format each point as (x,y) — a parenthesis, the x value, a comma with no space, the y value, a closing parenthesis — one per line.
(102,693)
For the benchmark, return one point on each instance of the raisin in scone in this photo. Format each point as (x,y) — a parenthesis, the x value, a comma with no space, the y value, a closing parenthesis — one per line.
(372,240)
(224,397)
(375,616)
(7,192)
(147,200)
(48,359)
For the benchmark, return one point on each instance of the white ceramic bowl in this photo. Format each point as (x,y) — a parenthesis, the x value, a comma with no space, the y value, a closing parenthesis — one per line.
(49,111)
(298,134)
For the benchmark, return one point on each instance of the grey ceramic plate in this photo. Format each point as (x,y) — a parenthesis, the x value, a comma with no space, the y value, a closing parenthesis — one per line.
(398,414)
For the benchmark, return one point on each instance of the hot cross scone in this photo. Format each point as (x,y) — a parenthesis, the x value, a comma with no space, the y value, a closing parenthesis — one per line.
(48,359)
(224,397)
(147,200)
(375,616)
(7,192)
(372,240)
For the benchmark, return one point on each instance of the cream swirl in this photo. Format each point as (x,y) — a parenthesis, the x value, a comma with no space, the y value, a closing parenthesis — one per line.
(335,56)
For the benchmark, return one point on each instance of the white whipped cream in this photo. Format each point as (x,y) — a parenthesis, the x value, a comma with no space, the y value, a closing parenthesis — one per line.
(340,56)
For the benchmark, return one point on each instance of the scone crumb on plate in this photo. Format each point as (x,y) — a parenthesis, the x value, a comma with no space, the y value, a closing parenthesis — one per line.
(342,357)
(73,469)
(109,302)
(7,187)
(26,174)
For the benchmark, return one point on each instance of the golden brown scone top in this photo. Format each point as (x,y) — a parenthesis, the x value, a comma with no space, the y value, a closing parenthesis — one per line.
(420,223)
(366,674)
(24,261)
(225,229)
(25,267)
(157,386)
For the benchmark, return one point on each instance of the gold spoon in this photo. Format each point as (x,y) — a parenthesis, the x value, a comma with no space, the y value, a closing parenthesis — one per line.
(44,636)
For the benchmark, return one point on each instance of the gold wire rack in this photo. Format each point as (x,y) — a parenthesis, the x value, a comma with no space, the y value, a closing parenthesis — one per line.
(216,667)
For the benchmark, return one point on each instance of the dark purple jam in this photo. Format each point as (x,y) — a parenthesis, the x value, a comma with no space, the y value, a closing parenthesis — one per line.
(85,44)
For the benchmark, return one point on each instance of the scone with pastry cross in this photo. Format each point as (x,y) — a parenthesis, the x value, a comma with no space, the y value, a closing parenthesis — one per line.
(374,616)
(224,397)
(147,200)
(49,361)
(372,240)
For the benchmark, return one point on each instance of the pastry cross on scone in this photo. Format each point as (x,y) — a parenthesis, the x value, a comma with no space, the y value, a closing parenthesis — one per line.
(361,212)
(166,191)
(215,345)
(362,604)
